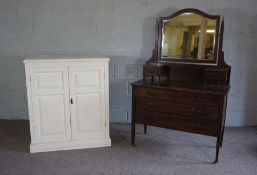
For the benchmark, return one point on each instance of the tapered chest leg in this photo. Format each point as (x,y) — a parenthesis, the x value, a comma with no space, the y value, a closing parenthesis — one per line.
(145,128)
(222,134)
(217,149)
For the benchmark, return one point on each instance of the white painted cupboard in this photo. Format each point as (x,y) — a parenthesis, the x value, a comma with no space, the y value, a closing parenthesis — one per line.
(68,99)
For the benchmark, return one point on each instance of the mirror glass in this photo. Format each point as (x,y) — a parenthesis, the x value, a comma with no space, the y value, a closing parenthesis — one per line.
(188,36)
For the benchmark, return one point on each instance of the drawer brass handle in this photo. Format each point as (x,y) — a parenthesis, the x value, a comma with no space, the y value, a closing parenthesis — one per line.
(195,124)
(192,109)
(152,104)
(151,93)
(195,110)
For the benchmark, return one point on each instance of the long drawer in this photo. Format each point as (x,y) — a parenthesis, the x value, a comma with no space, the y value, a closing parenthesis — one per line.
(154,93)
(173,121)
(197,98)
(167,106)
(177,96)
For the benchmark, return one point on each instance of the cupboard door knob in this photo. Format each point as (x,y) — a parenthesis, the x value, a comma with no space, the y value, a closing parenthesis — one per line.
(71,101)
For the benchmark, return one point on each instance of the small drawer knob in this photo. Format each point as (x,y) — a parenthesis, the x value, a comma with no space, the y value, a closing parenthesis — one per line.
(192,109)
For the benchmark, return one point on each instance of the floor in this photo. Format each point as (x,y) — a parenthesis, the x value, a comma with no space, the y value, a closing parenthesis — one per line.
(160,151)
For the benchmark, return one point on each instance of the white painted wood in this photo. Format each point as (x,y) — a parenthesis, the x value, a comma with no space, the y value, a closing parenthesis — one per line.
(65,58)
(88,110)
(55,123)
(50,100)
(55,146)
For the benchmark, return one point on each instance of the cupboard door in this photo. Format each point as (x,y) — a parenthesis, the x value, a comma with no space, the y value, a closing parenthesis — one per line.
(88,108)
(50,100)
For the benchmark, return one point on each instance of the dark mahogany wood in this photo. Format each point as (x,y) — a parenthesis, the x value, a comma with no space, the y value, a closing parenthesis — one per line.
(156,73)
(194,99)
(156,56)
(191,10)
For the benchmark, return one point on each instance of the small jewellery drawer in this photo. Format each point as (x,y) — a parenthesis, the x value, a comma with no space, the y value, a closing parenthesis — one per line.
(156,93)
(166,106)
(191,98)
(150,71)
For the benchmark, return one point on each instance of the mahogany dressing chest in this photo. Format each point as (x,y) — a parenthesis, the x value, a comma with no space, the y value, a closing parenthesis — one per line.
(186,81)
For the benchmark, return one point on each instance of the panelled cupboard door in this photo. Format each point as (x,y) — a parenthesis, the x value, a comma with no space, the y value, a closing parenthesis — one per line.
(50,100)
(88,103)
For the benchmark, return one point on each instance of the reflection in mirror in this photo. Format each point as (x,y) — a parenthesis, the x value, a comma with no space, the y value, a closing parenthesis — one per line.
(182,37)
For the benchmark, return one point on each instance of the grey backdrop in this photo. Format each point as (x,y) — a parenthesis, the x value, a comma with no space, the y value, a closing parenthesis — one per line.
(124,31)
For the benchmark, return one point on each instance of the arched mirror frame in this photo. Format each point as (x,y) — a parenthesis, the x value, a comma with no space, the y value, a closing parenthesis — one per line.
(159,30)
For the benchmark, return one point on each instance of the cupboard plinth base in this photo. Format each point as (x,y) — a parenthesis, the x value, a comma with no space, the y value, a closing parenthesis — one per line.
(47,147)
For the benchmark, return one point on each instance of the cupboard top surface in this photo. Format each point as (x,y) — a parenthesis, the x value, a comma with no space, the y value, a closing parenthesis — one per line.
(64,58)
(188,86)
